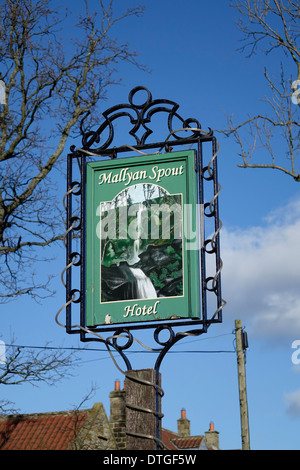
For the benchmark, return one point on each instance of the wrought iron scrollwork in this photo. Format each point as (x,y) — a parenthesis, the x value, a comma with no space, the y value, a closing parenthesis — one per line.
(140,116)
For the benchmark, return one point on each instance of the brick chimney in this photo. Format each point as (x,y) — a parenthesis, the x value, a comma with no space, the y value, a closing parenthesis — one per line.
(183,425)
(212,436)
(117,418)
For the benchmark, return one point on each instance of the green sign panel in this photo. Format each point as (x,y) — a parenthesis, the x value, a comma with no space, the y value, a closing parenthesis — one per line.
(142,250)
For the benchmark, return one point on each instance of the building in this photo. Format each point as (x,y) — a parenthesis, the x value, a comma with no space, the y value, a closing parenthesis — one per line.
(91,430)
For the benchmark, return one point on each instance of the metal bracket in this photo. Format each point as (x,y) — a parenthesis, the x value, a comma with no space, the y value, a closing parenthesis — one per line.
(104,142)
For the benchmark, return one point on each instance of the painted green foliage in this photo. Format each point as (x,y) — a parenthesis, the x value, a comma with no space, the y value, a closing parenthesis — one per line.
(154,244)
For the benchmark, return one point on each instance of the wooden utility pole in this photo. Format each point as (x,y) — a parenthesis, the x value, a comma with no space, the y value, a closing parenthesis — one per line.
(143,408)
(242,385)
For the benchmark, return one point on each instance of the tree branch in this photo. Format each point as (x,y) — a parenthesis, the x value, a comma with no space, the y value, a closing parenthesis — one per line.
(52,92)
(275,131)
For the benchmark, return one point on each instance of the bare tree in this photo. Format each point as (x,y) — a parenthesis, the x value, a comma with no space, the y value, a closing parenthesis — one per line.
(271,139)
(53,84)
(31,365)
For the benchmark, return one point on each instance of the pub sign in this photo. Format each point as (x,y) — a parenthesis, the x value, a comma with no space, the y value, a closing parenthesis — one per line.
(142,239)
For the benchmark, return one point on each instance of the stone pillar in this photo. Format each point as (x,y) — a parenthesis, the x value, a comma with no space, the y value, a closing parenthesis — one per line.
(118,415)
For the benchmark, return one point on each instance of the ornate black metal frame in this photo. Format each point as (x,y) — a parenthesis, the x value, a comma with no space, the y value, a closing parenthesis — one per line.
(140,116)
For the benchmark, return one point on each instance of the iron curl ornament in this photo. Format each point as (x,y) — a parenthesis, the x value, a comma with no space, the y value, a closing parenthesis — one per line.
(154,126)
(140,116)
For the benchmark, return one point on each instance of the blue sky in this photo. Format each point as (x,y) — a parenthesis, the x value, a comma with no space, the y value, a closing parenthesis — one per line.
(191,50)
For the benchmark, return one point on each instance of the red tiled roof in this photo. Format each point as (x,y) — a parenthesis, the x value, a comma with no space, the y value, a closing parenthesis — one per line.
(192,442)
(167,437)
(49,431)
(174,442)
(57,431)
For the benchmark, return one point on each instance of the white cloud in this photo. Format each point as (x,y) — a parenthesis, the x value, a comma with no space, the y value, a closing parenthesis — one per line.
(293,403)
(261,274)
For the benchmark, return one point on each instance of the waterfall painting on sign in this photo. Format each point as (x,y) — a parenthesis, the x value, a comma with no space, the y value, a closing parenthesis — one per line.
(142,252)
(146,263)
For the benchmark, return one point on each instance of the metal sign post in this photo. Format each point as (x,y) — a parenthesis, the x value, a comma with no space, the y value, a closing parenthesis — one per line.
(142,240)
